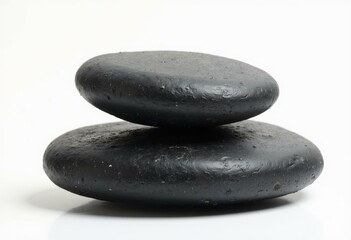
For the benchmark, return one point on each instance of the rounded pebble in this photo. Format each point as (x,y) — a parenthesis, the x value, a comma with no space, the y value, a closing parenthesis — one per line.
(175,89)
(239,162)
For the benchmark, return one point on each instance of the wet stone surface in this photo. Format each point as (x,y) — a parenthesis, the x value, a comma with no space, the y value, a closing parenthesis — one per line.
(175,89)
(233,163)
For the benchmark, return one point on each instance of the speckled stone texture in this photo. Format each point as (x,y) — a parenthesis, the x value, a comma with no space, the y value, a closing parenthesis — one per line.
(239,162)
(175,89)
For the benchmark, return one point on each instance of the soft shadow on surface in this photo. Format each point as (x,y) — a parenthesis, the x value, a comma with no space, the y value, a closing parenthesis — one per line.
(60,200)
(107,209)
(281,218)
(56,199)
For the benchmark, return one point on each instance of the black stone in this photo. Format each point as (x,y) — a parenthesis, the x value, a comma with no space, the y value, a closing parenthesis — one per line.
(233,163)
(165,88)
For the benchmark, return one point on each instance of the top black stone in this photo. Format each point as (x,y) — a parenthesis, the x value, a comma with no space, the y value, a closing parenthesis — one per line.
(181,89)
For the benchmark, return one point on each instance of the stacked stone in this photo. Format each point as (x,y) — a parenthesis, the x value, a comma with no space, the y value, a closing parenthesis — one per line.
(197,147)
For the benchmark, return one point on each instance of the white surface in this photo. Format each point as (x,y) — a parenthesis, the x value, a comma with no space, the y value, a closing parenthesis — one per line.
(304,45)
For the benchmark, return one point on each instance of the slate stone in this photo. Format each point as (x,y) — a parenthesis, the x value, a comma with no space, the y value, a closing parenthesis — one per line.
(182,89)
(239,162)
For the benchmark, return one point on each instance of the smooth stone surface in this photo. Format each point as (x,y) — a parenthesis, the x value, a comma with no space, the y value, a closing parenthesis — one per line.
(164,88)
(233,163)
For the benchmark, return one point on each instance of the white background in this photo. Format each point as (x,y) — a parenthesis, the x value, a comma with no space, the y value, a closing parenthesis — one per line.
(304,45)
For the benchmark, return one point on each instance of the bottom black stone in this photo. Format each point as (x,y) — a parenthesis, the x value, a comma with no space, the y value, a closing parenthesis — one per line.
(239,162)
